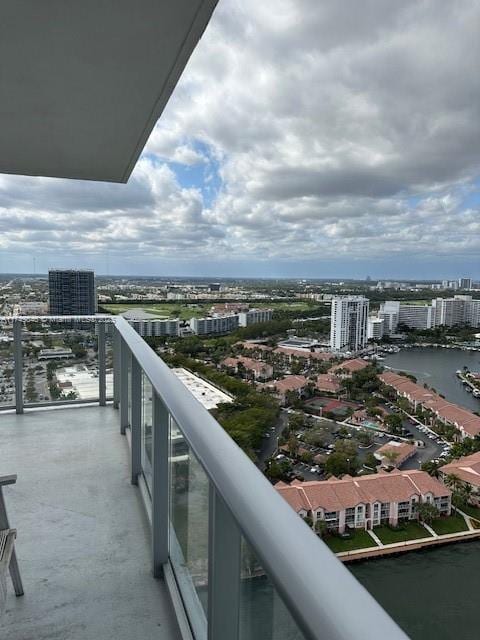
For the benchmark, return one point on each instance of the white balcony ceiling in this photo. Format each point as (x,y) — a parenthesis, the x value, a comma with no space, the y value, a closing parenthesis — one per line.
(83,82)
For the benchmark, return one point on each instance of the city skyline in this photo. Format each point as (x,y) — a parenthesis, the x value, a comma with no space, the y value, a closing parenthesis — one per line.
(298,143)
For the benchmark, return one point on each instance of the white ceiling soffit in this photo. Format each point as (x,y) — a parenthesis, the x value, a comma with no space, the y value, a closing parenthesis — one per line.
(83,82)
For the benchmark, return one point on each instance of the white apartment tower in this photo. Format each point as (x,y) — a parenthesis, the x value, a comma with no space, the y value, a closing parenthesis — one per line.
(349,323)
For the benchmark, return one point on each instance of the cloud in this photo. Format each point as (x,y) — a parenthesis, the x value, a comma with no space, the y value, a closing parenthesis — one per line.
(299,130)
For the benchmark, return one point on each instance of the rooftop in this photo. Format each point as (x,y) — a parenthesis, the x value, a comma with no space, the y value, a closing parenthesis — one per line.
(207,394)
(83,542)
(337,495)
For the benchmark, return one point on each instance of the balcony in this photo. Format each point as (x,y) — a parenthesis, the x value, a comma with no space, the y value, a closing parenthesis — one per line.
(83,536)
(142,518)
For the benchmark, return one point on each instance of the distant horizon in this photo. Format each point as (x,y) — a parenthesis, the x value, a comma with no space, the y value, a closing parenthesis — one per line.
(217,277)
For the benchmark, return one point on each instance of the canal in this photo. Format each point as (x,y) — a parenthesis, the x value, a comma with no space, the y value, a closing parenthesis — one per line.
(437,367)
(431,593)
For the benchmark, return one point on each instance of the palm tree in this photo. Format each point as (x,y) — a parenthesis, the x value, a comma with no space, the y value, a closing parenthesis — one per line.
(321,528)
(391,456)
(427,512)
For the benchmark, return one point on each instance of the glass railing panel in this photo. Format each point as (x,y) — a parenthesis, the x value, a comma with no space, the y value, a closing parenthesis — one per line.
(189,499)
(147,405)
(7,368)
(109,361)
(263,615)
(60,362)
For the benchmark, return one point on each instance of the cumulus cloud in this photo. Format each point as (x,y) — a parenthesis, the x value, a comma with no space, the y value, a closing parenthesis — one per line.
(299,130)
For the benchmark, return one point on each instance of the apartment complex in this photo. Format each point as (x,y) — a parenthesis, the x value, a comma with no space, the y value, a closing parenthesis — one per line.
(71,292)
(254,316)
(366,501)
(349,323)
(467,470)
(260,370)
(226,323)
(375,328)
(467,423)
(155,327)
(214,324)
(448,312)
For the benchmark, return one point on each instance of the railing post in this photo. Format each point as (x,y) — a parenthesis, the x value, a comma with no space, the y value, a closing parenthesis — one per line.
(102,372)
(160,485)
(117,374)
(124,361)
(136,423)
(224,550)
(18,364)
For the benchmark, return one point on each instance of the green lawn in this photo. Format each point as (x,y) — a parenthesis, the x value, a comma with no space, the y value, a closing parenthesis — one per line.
(182,311)
(471,511)
(409,531)
(452,524)
(360,539)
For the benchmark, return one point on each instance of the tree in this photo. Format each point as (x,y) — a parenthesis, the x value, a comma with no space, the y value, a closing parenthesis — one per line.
(426,512)
(394,423)
(296,421)
(321,528)
(293,445)
(338,464)
(391,456)
(364,438)
(370,461)
(431,467)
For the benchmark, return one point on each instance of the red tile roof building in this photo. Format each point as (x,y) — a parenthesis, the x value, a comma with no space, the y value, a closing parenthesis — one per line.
(260,370)
(467,470)
(286,384)
(465,421)
(327,383)
(401,452)
(290,352)
(366,501)
(347,367)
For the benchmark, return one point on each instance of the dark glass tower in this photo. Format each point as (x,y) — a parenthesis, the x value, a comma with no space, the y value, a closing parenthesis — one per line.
(71,292)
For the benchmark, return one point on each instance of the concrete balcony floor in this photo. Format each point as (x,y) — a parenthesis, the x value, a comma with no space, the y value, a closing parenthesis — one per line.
(82,543)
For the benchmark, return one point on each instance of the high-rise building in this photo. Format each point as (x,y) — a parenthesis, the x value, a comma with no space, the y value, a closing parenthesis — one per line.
(349,323)
(389,312)
(375,328)
(71,292)
(465,283)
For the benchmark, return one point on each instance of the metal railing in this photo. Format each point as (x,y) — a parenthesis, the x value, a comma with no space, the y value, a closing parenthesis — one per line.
(16,325)
(218,528)
(323,598)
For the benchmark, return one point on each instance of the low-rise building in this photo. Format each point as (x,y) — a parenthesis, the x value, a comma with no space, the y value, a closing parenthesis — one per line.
(346,368)
(366,501)
(467,470)
(261,370)
(394,454)
(57,353)
(467,423)
(286,385)
(327,383)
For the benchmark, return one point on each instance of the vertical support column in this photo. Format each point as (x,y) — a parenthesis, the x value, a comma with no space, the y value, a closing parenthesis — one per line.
(224,550)
(117,346)
(124,361)
(18,364)
(160,485)
(102,371)
(136,423)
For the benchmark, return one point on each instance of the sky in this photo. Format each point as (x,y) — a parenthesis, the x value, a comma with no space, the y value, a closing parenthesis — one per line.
(305,139)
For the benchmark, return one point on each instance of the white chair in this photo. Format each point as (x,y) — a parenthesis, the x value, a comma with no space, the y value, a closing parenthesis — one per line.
(8,558)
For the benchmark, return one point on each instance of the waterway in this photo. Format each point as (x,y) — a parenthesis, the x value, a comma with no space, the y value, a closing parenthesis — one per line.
(430,593)
(437,367)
